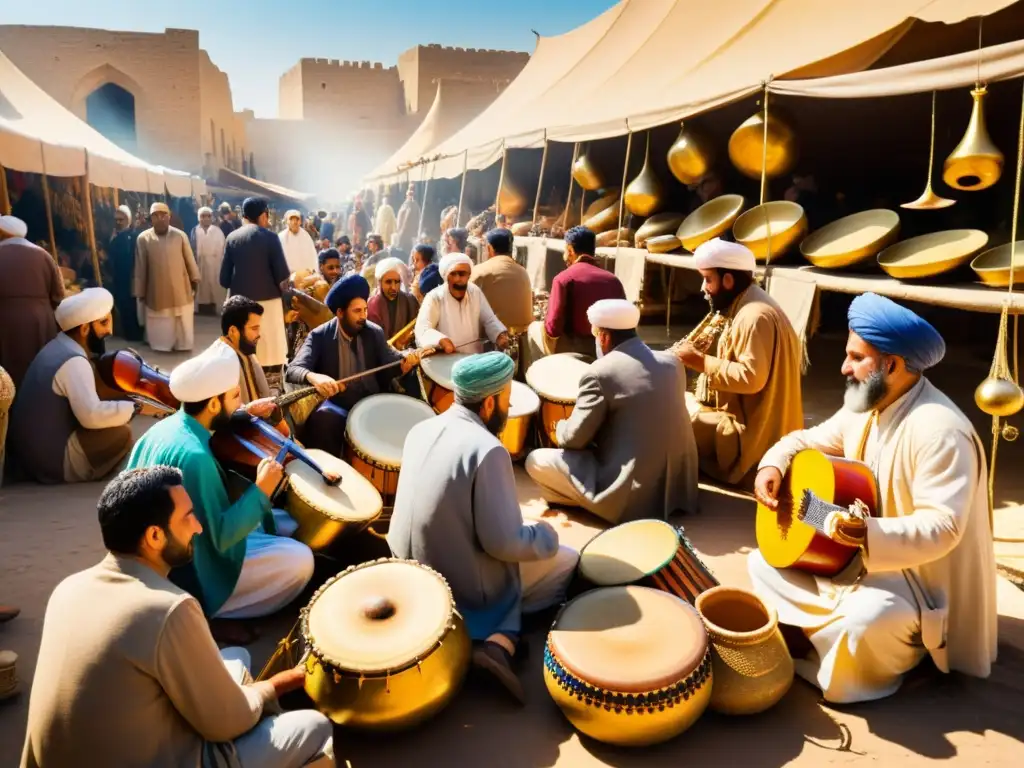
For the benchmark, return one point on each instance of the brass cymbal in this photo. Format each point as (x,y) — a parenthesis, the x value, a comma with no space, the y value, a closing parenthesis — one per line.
(993,266)
(933,254)
(658,224)
(709,220)
(663,244)
(780,224)
(852,239)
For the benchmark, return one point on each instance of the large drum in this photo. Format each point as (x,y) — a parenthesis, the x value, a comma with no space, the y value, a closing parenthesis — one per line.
(523,406)
(629,665)
(556,379)
(375,433)
(387,649)
(435,375)
(326,512)
(651,553)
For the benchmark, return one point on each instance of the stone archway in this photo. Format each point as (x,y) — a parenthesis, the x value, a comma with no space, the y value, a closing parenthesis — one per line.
(110,109)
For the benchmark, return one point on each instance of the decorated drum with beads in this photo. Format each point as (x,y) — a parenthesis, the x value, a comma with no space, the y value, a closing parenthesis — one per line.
(629,665)
(387,649)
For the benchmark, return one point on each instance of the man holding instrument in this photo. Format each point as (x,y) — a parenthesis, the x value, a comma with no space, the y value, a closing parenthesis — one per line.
(924,580)
(245,566)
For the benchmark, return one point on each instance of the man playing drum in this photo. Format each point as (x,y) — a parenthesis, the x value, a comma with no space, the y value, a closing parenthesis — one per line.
(748,390)
(390,307)
(128,672)
(456,511)
(925,579)
(457,314)
(245,565)
(631,409)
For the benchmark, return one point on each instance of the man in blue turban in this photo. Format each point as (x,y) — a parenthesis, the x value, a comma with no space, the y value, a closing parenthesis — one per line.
(456,510)
(344,347)
(923,578)
(430,278)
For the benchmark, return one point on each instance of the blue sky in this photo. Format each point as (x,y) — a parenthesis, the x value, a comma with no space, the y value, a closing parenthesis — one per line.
(256,41)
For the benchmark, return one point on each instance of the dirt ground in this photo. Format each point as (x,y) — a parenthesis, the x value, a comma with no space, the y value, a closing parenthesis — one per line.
(48,533)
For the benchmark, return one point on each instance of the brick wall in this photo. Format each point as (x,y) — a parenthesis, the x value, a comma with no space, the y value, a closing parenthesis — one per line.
(354,91)
(422,66)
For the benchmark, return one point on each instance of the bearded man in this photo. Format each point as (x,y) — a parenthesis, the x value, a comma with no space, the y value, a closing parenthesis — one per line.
(455,315)
(390,307)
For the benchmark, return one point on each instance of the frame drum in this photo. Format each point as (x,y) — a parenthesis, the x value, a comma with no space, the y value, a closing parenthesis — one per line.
(556,379)
(325,512)
(435,375)
(523,406)
(387,649)
(629,665)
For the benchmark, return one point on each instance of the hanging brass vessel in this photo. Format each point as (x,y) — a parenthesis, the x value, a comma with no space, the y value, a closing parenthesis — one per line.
(746,146)
(998,396)
(645,194)
(511,201)
(929,201)
(690,157)
(585,174)
(976,163)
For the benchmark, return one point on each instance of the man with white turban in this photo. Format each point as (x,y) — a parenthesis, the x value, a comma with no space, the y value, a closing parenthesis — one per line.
(245,566)
(748,359)
(299,249)
(208,242)
(61,432)
(456,510)
(384,222)
(923,579)
(627,450)
(456,315)
(390,307)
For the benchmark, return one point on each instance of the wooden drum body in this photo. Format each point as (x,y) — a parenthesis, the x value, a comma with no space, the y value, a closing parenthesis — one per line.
(324,512)
(523,407)
(387,649)
(556,380)
(629,665)
(435,375)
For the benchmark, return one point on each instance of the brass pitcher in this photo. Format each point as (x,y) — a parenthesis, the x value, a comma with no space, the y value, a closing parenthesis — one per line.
(690,156)
(585,173)
(746,146)
(976,163)
(645,194)
(511,201)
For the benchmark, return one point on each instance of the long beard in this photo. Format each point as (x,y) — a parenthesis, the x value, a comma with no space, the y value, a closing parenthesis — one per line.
(496,423)
(863,396)
(221,421)
(722,300)
(96,345)
(247,347)
(352,330)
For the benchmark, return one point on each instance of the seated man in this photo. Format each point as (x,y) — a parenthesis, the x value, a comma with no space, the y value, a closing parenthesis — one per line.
(925,579)
(347,345)
(129,673)
(566,328)
(60,430)
(390,307)
(329,265)
(243,569)
(456,315)
(748,390)
(456,510)
(627,450)
(506,284)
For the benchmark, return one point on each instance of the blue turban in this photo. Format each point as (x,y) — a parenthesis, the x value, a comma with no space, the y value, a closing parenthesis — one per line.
(353,286)
(895,330)
(430,278)
(479,376)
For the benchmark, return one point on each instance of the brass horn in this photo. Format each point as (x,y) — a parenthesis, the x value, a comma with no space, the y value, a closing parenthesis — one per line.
(976,163)
(929,201)
(585,174)
(690,156)
(645,194)
(746,146)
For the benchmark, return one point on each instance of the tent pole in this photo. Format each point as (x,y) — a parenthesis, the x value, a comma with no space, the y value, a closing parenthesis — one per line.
(117,198)
(49,211)
(5,200)
(90,223)
(501,181)
(622,189)
(568,201)
(423,203)
(540,180)
(462,187)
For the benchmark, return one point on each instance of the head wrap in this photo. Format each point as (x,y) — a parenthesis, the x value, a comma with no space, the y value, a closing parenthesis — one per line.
(390,264)
(88,306)
(479,376)
(209,374)
(895,330)
(128,211)
(721,254)
(224,207)
(430,278)
(292,213)
(614,315)
(353,286)
(204,209)
(159,208)
(13,226)
(450,260)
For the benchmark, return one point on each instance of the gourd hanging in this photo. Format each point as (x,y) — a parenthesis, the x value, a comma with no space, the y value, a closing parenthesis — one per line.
(690,157)
(645,194)
(976,163)
(585,173)
(747,146)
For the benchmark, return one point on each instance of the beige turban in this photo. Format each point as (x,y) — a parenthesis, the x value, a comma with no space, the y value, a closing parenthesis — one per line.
(450,260)
(126,211)
(13,226)
(390,264)
(721,254)
(614,315)
(293,213)
(88,306)
(159,208)
(209,374)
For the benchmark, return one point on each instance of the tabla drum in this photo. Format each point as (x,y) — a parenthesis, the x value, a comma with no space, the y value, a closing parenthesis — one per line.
(435,375)
(375,433)
(650,553)
(386,647)
(556,380)
(326,512)
(523,406)
(629,665)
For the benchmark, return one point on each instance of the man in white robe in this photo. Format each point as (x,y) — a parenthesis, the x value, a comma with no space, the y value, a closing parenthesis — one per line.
(384,223)
(924,581)
(208,245)
(456,315)
(299,249)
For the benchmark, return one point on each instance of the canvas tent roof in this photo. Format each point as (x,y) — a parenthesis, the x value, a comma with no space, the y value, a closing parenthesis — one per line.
(38,135)
(228,178)
(644,63)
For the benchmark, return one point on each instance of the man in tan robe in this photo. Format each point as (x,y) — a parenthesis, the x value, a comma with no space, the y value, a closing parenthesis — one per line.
(505,283)
(924,580)
(408,223)
(748,390)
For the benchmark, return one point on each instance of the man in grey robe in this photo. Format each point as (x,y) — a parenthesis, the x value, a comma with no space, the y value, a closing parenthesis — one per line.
(628,450)
(456,511)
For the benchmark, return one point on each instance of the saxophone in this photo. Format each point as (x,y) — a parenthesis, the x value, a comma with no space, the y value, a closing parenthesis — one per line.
(704,338)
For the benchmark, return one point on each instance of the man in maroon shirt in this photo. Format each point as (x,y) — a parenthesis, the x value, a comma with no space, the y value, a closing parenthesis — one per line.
(566,327)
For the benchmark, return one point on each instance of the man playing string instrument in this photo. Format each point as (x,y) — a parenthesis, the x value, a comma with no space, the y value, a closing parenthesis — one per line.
(748,388)
(924,581)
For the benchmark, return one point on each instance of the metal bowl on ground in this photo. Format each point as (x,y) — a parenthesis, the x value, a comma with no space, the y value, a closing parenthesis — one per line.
(930,255)
(657,225)
(993,266)
(852,239)
(663,244)
(710,220)
(773,228)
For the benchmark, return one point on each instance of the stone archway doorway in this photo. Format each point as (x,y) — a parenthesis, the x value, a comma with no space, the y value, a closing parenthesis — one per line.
(110,109)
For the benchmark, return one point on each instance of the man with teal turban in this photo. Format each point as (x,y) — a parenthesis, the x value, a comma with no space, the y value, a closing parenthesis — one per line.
(923,580)
(456,511)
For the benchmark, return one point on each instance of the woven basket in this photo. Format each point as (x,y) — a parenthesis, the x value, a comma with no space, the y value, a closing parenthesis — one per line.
(6,398)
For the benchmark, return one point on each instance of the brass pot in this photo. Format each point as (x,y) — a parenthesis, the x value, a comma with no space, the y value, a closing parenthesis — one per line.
(993,266)
(852,239)
(997,396)
(609,198)
(511,201)
(645,194)
(709,220)
(613,237)
(663,244)
(585,173)
(606,219)
(690,157)
(746,146)
(976,163)
(780,224)
(658,224)
(931,255)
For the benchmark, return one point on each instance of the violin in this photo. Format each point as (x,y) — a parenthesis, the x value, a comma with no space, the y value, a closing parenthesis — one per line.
(125,371)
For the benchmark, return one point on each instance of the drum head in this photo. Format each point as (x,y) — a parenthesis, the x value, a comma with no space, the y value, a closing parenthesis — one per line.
(378,425)
(629,639)
(628,552)
(379,617)
(524,401)
(557,377)
(354,499)
(438,368)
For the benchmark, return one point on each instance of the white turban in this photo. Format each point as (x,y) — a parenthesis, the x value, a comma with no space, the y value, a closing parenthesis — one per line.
(209,374)
(721,254)
(450,260)
(88,306)
(292,213)
(204,209)
(126,211)
(614,315)
(390,264)
(159,208)
(13,226)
